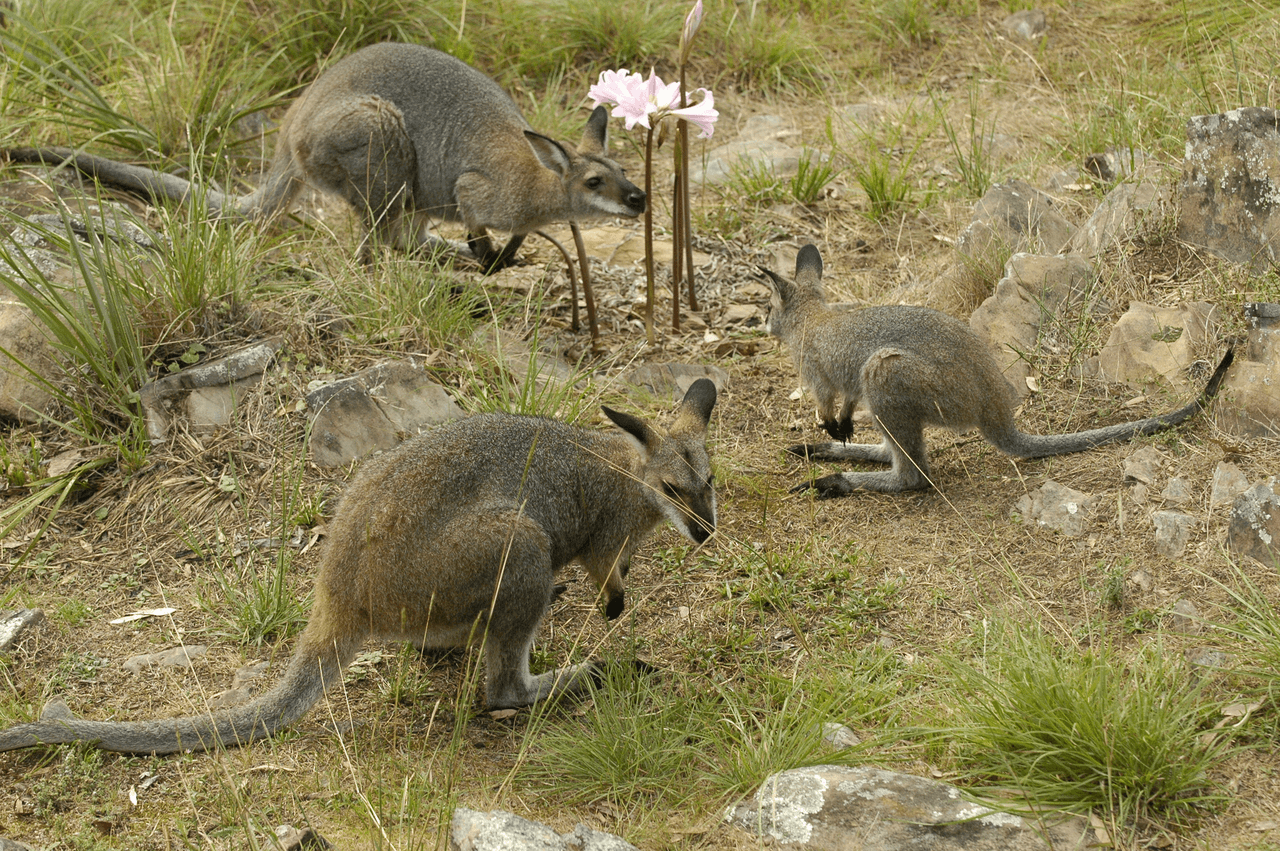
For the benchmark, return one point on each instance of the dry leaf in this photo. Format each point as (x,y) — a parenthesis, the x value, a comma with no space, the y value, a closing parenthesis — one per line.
(1099,830)
(502,714)
(144,613)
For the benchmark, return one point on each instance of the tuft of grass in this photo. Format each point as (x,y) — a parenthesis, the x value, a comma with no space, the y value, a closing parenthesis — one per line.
(974,160)
(909,22)
(1083,730)
(887,182)
(1253,620)
(814,173)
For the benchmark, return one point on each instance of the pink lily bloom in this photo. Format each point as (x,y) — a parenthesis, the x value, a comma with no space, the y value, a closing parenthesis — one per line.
(703,113)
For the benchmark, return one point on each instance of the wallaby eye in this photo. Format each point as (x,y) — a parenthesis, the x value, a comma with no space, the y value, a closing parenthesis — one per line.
(670,491)
(595,182)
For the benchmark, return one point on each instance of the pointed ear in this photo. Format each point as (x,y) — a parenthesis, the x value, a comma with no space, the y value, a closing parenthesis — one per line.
(595,139)
(809,262)
(780,285)
(634,426)
(549,152)
(695,409)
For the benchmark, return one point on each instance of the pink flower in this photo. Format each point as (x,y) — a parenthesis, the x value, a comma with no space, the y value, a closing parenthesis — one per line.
(692,22)
(702,114)
(636,99)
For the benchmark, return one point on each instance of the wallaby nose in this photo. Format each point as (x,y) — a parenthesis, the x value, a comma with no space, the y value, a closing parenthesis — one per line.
(636,201)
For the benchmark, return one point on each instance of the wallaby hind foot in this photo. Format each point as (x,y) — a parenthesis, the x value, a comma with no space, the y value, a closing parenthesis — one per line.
(916,367)
(455,538)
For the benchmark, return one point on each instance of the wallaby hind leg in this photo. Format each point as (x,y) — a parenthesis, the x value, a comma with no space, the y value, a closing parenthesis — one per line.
(896,398)
(492,260)
(361,150)
(518,607)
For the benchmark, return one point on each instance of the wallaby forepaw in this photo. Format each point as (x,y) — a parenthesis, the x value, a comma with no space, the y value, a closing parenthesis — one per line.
(613,609)
(840,430)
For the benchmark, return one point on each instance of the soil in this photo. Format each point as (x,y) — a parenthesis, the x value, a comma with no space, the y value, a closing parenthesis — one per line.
(167,533)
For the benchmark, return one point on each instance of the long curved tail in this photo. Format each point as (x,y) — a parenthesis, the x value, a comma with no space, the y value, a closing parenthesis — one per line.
(1023,445)
(315,667)
(155,185)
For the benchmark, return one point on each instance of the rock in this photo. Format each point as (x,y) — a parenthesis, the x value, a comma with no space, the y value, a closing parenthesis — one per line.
(1058,507)
(176,657)
(502,831)
(1157,343)
(7,844)
(1116,164)
(837,808)
(1231,185)
(374,409)
(240,691)
(1014,216)
(1141,580)
(1143,465)
(26,359)
(1228,483)
(1173,530)
(1035,288)
(1252,387)
(670,381)
(1115,218)
(839,736)
(1207,657)
(215,385)
(761,146)
(1028,24)
(1184,617)
(14,623)
(292,839)
(1254,530)
(742,314)
(1177,492)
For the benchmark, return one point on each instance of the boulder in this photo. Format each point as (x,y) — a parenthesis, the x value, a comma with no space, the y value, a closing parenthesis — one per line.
(1252,387)
(1157,344)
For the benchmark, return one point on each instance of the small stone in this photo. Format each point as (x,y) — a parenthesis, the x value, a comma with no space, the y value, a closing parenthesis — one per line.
(1173,530)
(1254,530)
(1142,580)
(839,736)
(1228,483)
(292,839)
(1207,657)
(1143,466)
(175,657)
(14,623)
(1177,492)
(1184,617)
(1057,507)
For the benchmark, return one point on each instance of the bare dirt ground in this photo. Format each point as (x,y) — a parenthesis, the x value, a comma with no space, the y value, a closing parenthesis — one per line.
(943,562)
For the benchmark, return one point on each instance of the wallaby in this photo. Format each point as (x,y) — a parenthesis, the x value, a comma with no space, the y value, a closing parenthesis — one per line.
(456,536)
(916,367)
(401,132)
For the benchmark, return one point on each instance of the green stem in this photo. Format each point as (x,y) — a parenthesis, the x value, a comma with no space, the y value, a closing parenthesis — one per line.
(648,236)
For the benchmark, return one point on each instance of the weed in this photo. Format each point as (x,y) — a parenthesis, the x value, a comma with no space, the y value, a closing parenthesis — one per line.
(813,174)
(884,175)
(909,22)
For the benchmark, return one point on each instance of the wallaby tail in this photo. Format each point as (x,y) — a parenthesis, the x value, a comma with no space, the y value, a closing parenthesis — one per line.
(1038,446)
(155,185)
(314,668)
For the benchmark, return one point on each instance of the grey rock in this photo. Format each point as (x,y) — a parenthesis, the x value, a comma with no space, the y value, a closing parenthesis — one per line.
(1254,530)
(175,657)
(1177,492)
(1143,465)
(14,623)
(1015,216)
(374,410)
(770,155)
(215,385)
(1253,384)
(7,844)
(1028,24)
(1116,164)
(838,735)
(1228,483)
(1058,507)
(1157,344)
(1173,530)
(291,838)
(27,360)
(1230,186)
(471,830)
(1016,318)
(670,381)
(1184,617)
(839,808)
(1116,218)
(1207,657)
(1142,580)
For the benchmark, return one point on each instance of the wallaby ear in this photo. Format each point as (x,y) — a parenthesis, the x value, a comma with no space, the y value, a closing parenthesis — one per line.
(549,152)
(634,426)
(695,409)
(784,288)
(595,139)
(809,261)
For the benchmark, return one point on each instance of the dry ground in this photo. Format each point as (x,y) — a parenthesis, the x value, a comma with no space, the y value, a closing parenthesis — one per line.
(925,571)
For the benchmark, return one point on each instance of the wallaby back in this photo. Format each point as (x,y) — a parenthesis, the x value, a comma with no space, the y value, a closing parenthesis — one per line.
(401,129)
(455,537)
(916,367)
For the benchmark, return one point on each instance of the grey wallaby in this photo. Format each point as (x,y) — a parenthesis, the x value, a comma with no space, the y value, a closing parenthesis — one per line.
(403,132)
(456,537)
(916,367)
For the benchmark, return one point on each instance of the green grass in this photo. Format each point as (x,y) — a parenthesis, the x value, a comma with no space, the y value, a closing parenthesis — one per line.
(1084,729)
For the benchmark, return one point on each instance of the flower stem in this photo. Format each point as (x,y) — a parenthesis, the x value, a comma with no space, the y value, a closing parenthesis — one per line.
(648,237)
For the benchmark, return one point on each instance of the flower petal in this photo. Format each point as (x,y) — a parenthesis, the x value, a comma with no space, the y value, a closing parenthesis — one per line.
(702,114)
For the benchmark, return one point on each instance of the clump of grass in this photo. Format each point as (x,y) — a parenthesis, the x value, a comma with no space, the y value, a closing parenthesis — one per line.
(887,182)
(909,22)
(1084,730)
(814,173)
